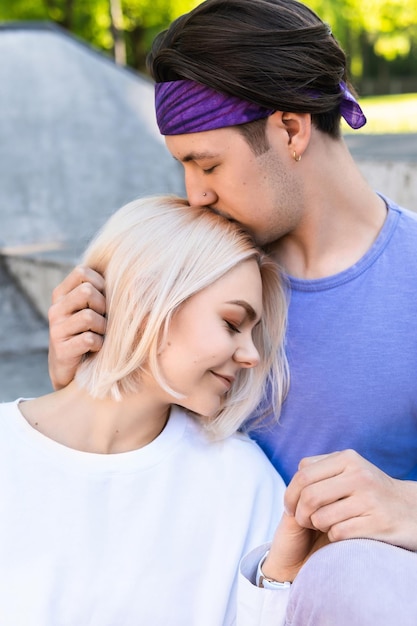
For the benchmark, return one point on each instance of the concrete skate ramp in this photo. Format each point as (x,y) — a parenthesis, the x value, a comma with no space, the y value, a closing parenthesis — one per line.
(78,138)
(23,342)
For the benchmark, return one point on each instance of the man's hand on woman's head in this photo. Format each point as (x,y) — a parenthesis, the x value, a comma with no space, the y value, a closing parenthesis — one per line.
(77,322)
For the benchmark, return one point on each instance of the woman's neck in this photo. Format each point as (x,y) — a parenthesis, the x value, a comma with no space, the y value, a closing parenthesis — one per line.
(75,419)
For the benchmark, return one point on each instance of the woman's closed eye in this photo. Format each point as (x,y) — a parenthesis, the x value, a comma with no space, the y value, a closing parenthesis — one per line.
(232,327)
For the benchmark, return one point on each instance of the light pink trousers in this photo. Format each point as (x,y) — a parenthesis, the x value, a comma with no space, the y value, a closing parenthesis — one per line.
(358,582)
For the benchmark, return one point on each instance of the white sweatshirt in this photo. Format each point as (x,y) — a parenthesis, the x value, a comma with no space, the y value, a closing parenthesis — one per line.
(151,537)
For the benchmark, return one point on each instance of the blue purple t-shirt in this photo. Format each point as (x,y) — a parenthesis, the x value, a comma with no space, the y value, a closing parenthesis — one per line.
(352,350)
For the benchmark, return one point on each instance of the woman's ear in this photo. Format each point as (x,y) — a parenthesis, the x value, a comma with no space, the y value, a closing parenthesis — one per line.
(297,127)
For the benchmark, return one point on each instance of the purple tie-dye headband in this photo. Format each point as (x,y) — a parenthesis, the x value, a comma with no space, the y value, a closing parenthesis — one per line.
(350,109)
(184,106)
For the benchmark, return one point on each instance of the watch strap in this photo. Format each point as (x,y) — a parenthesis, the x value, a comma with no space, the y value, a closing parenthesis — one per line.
(268,583)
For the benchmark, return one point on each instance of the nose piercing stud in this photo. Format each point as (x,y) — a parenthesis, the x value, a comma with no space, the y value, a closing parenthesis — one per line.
(204,193)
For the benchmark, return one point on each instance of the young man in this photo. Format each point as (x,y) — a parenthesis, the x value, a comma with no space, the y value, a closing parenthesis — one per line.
(249,95)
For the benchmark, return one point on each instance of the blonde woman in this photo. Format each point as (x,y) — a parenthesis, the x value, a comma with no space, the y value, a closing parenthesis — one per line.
(127,497)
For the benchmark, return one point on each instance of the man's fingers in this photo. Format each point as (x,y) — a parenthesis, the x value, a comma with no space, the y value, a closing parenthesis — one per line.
(323,472)
(309,460)
(80,344)
(83,297)
(334,514)
(77,277)
(62,368)
(79,323)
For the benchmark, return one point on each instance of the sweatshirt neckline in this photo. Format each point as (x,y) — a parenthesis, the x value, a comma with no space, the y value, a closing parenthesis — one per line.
(124,462)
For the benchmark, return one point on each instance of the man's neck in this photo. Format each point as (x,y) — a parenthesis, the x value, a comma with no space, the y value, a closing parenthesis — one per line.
(342,219)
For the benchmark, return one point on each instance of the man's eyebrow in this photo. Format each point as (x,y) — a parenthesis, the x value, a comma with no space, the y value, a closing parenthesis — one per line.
(197,156)
(250,311)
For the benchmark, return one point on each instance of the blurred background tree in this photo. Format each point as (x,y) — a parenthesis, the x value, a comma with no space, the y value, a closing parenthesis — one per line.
(379,36)
(122,28)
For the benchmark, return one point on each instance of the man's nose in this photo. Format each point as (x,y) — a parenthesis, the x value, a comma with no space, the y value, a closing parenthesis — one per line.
(199,193)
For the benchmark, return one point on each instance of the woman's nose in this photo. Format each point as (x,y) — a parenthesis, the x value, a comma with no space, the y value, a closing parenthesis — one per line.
(247,354)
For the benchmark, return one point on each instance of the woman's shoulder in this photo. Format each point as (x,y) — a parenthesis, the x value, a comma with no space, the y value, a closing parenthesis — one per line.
(245,450)
(237,454)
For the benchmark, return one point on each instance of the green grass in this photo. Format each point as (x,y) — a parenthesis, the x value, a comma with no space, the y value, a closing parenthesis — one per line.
(388,114)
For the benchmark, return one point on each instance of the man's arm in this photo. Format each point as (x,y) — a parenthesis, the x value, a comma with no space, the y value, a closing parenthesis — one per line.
(345,496)
(77,322)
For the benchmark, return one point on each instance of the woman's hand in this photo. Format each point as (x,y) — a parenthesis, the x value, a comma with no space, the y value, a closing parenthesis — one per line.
(291,547)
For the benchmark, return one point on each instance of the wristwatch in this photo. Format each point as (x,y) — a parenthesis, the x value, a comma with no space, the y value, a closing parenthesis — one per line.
(268,583)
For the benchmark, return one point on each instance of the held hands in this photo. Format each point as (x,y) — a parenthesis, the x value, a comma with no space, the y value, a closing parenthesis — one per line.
(340,496)
(343,495)
(76,323)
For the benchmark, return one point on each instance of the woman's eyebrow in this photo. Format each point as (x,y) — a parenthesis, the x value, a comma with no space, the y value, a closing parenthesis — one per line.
(251,313)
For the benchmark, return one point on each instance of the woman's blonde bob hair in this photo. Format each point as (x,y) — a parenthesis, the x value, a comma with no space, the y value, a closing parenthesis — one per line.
(154,254)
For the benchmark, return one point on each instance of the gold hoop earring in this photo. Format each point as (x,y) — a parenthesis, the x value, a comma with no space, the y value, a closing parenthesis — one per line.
(297,158)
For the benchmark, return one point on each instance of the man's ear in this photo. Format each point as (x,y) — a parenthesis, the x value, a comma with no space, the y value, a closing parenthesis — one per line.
(298,129)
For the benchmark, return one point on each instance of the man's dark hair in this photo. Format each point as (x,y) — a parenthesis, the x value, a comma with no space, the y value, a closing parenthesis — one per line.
(276,53)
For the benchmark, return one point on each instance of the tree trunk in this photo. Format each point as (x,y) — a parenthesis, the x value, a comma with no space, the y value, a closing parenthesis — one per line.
(116,29)
(68,14)
(138,48)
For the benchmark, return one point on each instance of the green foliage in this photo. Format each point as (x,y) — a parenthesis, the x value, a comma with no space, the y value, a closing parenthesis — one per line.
(372,30)
(91,20)
(23,10)
(379,36)
(142,21)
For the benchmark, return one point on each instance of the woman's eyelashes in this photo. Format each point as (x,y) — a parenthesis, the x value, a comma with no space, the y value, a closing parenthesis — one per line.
(232,327)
